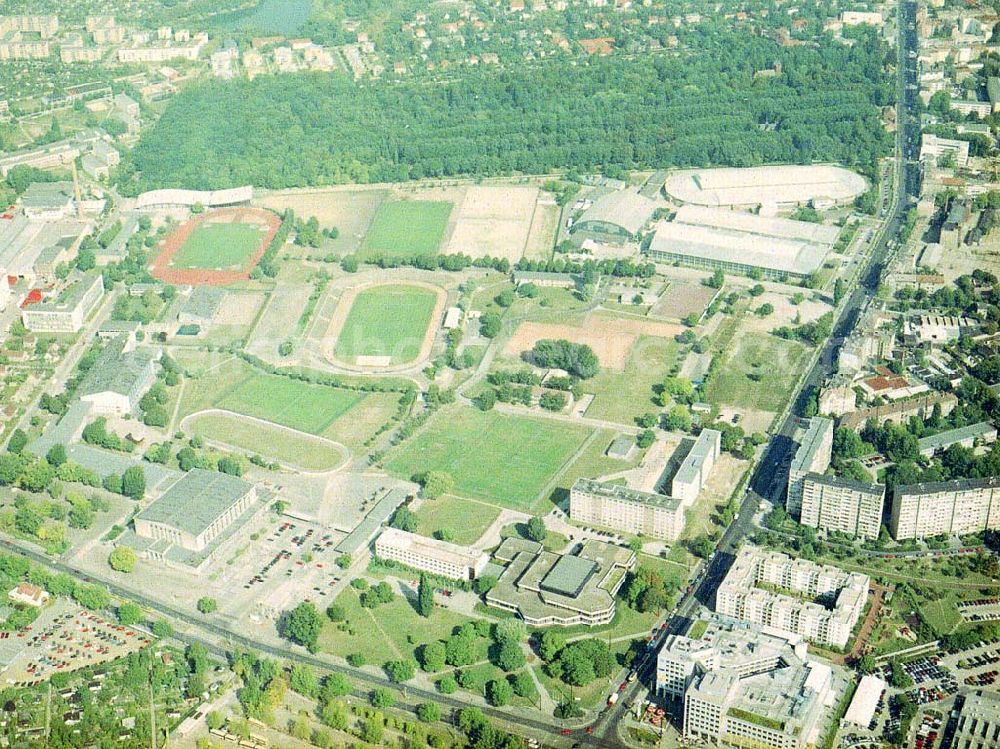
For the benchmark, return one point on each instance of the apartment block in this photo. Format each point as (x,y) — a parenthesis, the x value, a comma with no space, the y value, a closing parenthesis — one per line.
(812,456)
(430,555)
(627,510)
(696,467)
(831,503)
(822,603)
(945,507)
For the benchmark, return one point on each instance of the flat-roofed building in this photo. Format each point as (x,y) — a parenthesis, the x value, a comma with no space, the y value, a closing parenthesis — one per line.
(717,238)
(938,508)
(549,589)
(833,503)
(196,509)
(899,412)
(864,703)
(749,688)
(48,201)
(938,329)
(430,555)
(694,470)
(356,543)
(812,456)
(856,17)
(968,436)
(978,724)
(122,373)
(66,311)
(629,510)
(742,596)
(933,148)
(785,185)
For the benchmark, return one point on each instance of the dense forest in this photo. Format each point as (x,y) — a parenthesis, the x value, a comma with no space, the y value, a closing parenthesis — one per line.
(659,110)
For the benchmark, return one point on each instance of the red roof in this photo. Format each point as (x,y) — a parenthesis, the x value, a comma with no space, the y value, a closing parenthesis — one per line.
(34,297)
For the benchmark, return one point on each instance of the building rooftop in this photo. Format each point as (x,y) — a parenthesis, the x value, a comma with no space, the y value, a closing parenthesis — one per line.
(432,547)
(625,494)
(764,184)
(933,487)
(71,295)
(704,447)
(805,454)
(752,223)
(204,302)
(847,483)
(196,500)
(364,532)
(626,209)
(41,196)
(208,198)
(865,701)
(117,370)
(951,436)
(568,575)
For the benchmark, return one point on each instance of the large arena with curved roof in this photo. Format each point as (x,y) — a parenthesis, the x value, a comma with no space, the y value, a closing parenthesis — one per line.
(788,185)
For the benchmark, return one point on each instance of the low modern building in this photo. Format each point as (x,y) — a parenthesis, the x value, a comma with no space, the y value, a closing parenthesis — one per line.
(48,201)
(968,436)
(201,305)
(745,243)
(743,686)
(783,186)
(68,310)
(430,555)
(833,503)
(933,148)
(812,456)
(119,377)
(176,198)
(864,704)
(546,589)
(931,330)
(694,470)
(356,543)
(978,725)
(195,509)
(945,508)
(29,595)
(628,510)
(621,214)
(822,604)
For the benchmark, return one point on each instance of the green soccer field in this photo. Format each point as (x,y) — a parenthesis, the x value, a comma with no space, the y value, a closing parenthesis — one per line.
(405,228)
(219,246)
(388,320)
(506,460)
(299,405)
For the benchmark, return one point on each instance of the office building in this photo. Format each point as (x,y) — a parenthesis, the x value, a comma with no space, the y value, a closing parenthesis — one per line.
(938,508)
(832,503)
(628,510)
(823,603)
(812,456)
(430,555)
(66,311)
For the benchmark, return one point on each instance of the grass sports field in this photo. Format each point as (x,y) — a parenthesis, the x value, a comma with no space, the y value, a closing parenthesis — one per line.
(299,405)
(404,228)
(219,246)
(389,320)
(507,460)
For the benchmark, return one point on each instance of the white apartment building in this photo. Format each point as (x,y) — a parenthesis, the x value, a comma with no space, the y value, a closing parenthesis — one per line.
(750,592)
(628,510)
(831,503)
(812,456)
(696,467)
(945,507)
(430,555)
(933,147)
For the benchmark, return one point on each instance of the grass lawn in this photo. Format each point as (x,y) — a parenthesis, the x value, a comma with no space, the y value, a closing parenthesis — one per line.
(289,448)
(505,459)
(219,246)
(773,363)
(389,320)
(467,520)
(299,405)
(942,615)
(594,463)
(403,228)
(622,396)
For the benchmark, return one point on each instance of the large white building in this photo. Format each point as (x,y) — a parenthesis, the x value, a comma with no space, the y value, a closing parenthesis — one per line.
(933,148)
(743,686)
(623,509)
(66,311)
(945,507)
(978,724)
(694,470)
(832,503)
(119,377)
(430,555)
(783,186)
(749,593)
(812,456)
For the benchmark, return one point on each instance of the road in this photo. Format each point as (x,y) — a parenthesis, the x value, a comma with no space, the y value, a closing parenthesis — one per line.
(769,478)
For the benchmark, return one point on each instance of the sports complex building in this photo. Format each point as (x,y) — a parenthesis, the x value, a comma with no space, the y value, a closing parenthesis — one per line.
(621,214)
(821,185)
(744,243)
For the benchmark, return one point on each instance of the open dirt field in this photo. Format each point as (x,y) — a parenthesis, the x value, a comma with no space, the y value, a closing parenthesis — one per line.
(493,221)
(611,338)
(351,211)
(164,269)
(542,235)
(279,319)
(681,299)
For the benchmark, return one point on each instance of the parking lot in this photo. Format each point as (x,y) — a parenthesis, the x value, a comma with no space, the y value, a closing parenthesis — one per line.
(63,639)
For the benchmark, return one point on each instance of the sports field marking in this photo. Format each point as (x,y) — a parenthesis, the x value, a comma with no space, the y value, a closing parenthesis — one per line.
(404,228)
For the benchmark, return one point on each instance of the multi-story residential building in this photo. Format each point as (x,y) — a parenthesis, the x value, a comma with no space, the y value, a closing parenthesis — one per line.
(752,592)
(628,510)
(831,503)
(743,687)
(430,555)
(812,456)
(945,507)
(900,412)
(67,311)
(696,467)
